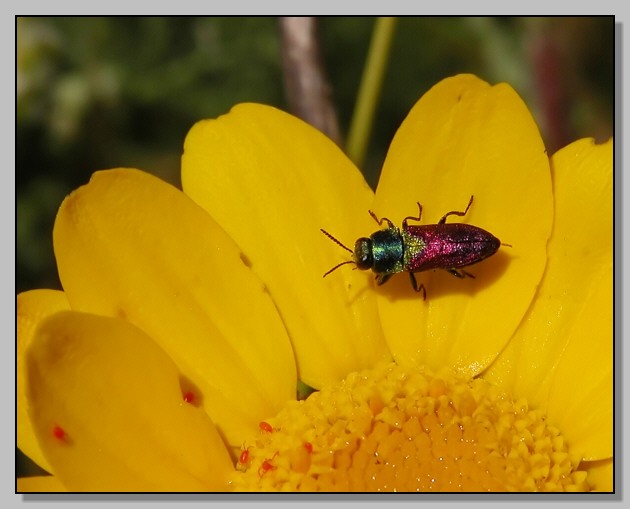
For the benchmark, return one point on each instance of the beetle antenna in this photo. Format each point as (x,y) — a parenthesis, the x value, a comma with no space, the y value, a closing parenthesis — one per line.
(337,266)
(336,242)
(504,244)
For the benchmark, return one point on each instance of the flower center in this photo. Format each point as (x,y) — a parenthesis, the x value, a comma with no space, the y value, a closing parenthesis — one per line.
(392,429)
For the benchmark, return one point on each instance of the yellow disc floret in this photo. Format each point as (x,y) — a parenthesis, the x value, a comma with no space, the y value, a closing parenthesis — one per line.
(392,429)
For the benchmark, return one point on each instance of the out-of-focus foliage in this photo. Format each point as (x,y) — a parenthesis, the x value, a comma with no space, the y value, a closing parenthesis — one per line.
(95,93)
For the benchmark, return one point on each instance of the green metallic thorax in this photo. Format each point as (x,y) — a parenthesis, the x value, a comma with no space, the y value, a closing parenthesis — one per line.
(387,251)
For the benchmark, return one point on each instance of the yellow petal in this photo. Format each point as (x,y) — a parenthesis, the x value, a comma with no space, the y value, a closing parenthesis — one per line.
(272,182)
(107,407)
(600,474)
(39,484)
(32,307)
(129,245)
(465,138)
(565,342)
(581,391)
(581,388)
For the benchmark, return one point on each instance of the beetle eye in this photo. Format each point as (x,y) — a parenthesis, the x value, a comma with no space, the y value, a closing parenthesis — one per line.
(363,253)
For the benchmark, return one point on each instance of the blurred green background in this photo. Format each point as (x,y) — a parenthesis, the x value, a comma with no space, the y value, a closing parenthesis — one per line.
(96,93)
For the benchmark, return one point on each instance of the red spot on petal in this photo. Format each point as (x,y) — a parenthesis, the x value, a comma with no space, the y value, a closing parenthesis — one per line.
(244,458)
(309,447)
(59,433)
(265,426)
(189,397)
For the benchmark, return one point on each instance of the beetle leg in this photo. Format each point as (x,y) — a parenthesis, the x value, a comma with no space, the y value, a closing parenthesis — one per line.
(460,273)
(417,288)
(456,213)
(382,278)
(382,220)
(404,223)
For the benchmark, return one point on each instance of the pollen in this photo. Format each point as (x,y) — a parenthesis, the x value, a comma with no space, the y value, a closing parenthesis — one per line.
(392,429)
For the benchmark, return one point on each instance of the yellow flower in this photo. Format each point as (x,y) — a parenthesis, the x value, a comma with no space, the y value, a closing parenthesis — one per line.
(171,358)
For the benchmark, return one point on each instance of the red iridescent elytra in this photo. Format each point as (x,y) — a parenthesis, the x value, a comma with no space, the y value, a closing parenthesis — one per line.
(416,248)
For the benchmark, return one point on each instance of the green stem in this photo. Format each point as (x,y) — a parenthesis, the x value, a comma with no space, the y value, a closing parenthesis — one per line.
(371,82)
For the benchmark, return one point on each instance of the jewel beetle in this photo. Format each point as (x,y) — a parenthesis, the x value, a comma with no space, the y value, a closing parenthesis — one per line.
(416,248)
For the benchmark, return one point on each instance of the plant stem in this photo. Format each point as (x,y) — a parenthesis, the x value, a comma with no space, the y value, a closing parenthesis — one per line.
(306,84)
(370,88)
